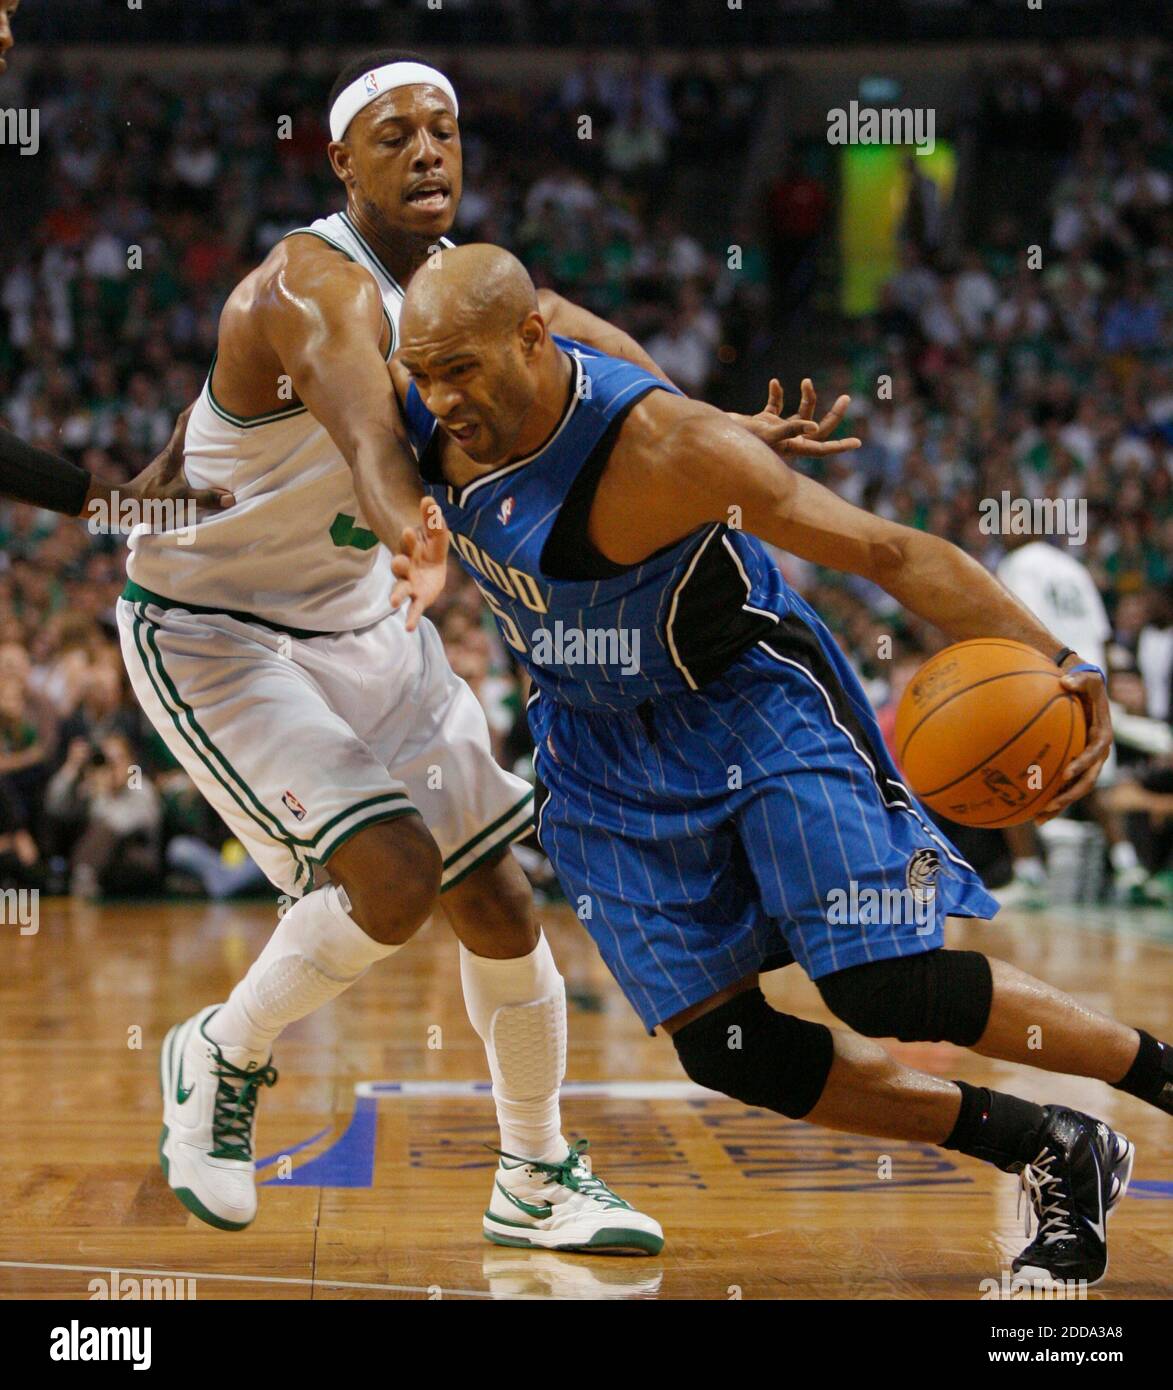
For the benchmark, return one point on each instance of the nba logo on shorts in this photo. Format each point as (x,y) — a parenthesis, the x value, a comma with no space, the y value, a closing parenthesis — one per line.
(372,82)
(505,511)
(294,805)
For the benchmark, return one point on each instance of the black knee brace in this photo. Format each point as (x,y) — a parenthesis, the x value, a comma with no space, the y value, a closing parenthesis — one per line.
(938,996)
(751,1052)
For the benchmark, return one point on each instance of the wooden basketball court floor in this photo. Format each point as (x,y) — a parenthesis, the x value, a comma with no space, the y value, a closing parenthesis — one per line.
(375,1187)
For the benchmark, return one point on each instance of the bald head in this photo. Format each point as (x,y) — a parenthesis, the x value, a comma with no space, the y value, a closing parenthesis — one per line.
(477,289)
(478,351)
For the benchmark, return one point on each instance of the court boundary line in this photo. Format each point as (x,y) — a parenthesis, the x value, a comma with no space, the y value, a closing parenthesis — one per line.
(240,1279)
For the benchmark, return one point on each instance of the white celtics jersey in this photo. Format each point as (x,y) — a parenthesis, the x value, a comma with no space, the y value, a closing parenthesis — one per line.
(1060,592)
(295,549)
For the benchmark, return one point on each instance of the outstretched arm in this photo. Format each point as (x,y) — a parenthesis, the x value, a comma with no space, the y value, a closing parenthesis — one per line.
(324,322)
(689,465)
(797,434)
(29,474)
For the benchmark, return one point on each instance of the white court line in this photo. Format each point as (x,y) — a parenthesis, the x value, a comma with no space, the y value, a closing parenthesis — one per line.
(615,1090)
(244,1278)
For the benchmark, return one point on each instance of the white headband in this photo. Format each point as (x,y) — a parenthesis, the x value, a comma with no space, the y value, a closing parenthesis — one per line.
(363,90)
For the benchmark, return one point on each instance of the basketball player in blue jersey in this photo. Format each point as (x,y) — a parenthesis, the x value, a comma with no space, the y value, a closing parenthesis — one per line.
(711,778)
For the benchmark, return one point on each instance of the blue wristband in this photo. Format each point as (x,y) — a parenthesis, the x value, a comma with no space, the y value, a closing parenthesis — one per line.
(1087,666)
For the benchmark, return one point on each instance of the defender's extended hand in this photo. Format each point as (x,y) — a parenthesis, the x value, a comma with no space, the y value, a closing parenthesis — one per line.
(799,434)
(1080,775)
(421,566)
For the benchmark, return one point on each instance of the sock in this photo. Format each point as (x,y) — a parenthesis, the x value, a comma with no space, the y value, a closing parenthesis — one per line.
(518,1008)
(1030,870)
(1123,857)
(996,1128)
(317,951)
(1151,1075)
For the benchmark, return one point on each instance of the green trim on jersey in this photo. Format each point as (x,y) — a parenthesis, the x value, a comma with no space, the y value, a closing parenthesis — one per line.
(142,623)
(309,231)
(248,422)
(506,836)
(389,804)
(135,593)
(488,830)
(374,819)
(369,249)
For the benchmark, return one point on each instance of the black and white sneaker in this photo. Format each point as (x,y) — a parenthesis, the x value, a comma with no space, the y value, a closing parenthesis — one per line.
(1081,1172)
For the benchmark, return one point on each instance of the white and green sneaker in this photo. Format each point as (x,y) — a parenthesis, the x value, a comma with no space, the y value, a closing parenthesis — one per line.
(563,1206)
(209,1113)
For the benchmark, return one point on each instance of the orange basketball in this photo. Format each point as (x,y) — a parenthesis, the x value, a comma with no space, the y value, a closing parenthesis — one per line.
(984,732)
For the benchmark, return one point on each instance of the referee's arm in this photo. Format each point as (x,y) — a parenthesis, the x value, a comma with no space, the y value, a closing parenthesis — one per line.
(29,474)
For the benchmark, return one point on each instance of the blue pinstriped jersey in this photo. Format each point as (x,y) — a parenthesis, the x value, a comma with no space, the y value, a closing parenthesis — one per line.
(665,625)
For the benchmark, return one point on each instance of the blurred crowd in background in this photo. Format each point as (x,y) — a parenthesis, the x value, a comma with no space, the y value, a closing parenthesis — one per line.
(1053,381)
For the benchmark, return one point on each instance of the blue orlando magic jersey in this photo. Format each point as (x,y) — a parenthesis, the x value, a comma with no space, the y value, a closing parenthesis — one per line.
(592,633)
(711,781)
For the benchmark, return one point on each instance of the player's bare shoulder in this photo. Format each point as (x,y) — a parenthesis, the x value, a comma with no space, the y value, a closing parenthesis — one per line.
(636,510)
(291,304)
(649,439)
(304,277)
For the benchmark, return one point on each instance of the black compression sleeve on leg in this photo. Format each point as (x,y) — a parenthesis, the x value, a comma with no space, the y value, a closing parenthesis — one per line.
(1151,1075)
(937,996)
(747,1050)
(28,474)
(997,1128)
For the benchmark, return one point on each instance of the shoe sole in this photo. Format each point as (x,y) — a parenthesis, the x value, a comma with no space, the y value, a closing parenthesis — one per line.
(186,1196)
(609,1240)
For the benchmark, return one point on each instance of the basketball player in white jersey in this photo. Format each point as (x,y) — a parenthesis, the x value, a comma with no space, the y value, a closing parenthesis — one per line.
(340,747)
(1060,592)
(328,733)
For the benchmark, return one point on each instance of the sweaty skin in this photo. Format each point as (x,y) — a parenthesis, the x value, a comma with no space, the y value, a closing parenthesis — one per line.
(310,315)
(481,356)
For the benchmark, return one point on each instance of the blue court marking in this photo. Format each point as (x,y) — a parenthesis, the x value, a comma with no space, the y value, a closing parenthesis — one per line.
(1149,1189)
(348,1162)
(296,1148)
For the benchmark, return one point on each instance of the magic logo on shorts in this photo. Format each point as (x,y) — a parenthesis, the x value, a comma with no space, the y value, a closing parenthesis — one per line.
(921,874)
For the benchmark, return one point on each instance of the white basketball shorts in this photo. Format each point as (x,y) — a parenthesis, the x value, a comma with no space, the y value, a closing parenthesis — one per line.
(301,741)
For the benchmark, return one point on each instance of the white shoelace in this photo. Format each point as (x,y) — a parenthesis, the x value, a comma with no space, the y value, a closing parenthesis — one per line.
(1049,1205)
